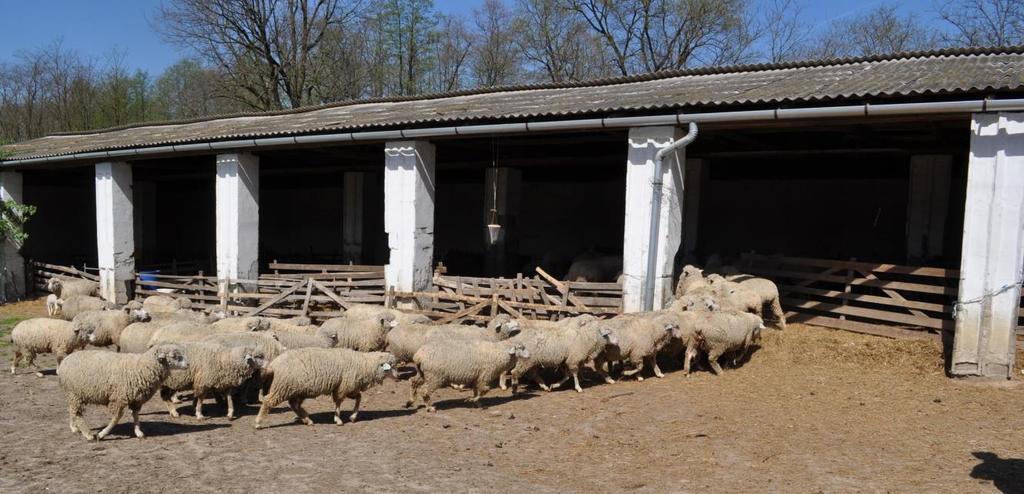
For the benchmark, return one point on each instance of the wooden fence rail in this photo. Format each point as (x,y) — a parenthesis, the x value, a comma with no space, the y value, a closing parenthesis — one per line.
(40,272)
(859,296)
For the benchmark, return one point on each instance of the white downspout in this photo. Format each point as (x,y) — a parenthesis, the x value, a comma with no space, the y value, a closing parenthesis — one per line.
(656,184)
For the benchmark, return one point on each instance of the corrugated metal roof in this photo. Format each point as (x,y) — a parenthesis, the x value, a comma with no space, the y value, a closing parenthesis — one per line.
(917,74)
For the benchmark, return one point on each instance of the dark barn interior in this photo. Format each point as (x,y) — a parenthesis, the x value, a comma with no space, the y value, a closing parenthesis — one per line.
(174,227)
(63,228)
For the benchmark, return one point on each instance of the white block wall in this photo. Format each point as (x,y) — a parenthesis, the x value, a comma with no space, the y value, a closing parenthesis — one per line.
(993,248)
(644,143)
(13,263)
(409,214)
(238,217)
(115,237)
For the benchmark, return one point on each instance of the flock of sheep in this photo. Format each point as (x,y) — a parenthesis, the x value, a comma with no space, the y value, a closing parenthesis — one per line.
(162,345)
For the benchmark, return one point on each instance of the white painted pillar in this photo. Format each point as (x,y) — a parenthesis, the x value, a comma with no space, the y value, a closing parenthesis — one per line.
(502,192)
(993,246)
(409,213)
(927,206)
(115,237)
(693,181)
(644,143)
(352,216)
(238,218)
(13,263)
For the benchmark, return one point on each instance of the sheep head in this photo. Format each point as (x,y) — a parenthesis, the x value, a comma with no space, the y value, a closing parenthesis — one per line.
(171,356)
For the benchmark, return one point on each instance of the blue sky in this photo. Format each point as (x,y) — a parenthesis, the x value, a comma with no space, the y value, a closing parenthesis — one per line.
(99,28)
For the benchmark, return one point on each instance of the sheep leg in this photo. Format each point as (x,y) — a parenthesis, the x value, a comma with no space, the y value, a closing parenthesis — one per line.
(167,395)
(478,392)
(197,403)
(599,368)
(337,408)
(565,377)
(355,409)
(135,421)
(231,403)
(502,381)
(425,390)
(691,352)
(296,404)
(78,423)
(414,385)
(30,360)
(116,411)
(535,375)
(636,370)
(778,314)
(713,361)
(17,358)
(657,370)
(269,402)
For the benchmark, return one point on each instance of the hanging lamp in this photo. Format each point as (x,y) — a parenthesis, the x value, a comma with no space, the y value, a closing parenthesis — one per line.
(493,227)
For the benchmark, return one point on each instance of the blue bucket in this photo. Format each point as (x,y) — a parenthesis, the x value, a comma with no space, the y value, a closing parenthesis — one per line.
(148,276)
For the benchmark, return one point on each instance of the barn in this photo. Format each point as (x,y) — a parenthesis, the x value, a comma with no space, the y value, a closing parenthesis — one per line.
(884,194)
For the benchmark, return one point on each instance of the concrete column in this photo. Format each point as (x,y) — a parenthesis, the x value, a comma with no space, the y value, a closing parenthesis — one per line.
(352,216)
(695,175)
(115,237)
(644,143)
(13,263)
(993,246)
(238,218)
(927,206)
(409,214)
(506,200)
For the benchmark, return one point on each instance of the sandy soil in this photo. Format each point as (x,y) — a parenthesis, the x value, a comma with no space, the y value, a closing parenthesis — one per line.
(813,410)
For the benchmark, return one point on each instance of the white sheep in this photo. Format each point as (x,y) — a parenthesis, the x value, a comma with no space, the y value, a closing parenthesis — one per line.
(640,337)
(718,333)
(365,334)
(52,305)
(264,342)
(733,296)
(180,332)
(115,380)
(465,362)
(160,304)
(769,294)
(405,339)
(213,370)
(135,337)
(311,372)
(702,300)
(44,335)
(367,311)
(568,345)
(109,324)
(65,287)
(242,324)
(294,325)
(74,305)
(318,337)
(691,279)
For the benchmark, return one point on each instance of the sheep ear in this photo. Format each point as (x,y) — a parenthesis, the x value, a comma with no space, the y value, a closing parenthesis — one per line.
(511,350)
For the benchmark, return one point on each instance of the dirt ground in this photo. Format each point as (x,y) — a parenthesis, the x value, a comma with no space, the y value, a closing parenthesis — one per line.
(814,410)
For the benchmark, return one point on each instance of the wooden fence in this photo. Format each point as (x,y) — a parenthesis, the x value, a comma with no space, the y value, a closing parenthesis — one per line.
(540,297)
(319,291)
(40,272)
(883,299)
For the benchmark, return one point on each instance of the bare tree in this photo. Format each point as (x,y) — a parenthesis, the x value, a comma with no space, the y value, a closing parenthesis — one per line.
(404,40)
(881,30)
(983,22)
(495,62)
(556,43)
(784,31)
(266,48)
(452,54)
(617,24)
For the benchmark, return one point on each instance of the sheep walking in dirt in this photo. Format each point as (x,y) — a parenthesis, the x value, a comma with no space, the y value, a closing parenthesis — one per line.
(640,337)
(213,370)
(311,372)
(405,339)
(266,343)
(719,333)
(769,294)
(470,363)
(365,334)
(163,304)
(733,296)
(74,305)
(366,311)
(44,335)
(109,324)
(65,287)
(568,344)
(115,380)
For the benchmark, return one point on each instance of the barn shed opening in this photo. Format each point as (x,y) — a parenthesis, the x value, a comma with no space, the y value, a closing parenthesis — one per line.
(322,206)
(63,228)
